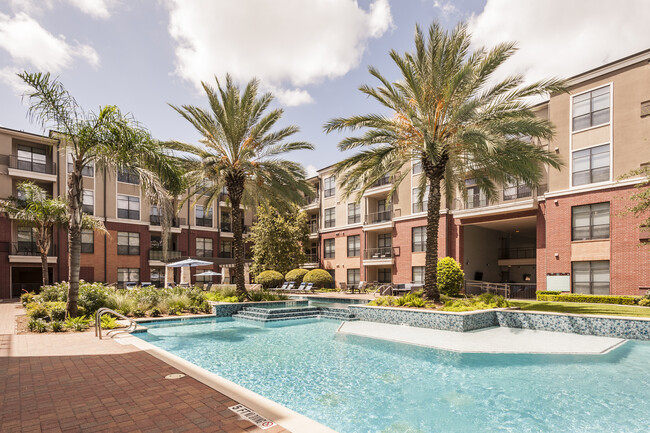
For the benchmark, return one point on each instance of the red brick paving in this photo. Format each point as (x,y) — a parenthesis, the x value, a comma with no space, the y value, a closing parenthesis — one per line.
(124,392)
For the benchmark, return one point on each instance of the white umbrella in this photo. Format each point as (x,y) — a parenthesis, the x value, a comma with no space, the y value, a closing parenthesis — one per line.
(207,274)
(185,266)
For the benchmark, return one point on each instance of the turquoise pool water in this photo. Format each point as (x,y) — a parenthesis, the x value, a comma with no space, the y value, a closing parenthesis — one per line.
(355,384)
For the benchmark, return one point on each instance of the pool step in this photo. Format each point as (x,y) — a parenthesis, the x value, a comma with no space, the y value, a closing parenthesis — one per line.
(277,314)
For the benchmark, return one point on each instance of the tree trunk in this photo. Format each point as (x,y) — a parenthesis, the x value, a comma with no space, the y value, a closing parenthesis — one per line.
(44,243)
(433,222)
(235,191)
(75,197)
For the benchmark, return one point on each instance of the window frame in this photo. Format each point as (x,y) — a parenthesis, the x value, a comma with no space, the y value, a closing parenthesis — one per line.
(202,221)
(421,269)
(591,225)
(88,247)
(383,271)
(356,276)
(419,207)
(88,209)
(129,272)
(356,213)
(128,176)
(130,248)
(329,186)
(591,281)
(131,214)
(331,222)
(421,245)
(329,248)
(591,168)
(356,247)
(203,251)
(591,110)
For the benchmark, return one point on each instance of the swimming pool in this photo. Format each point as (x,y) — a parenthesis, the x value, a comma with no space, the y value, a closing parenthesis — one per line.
(355,384)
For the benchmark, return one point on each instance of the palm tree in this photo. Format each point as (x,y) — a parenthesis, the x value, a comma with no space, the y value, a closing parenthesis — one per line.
(109,139)
(33,208)
(447,115)
(239,152)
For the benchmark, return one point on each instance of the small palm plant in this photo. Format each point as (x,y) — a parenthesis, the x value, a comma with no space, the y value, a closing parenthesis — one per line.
(33,208)
(239,151)
(446,116)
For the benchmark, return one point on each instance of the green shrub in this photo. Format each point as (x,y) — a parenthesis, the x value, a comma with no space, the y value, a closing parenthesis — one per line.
(175,311)
(79,323)
(481,302)
(230,299)
(263,295)
(37,311)
(138,312)
(206,307)
(644,302)
(296,275)
(383,301)
(269,279)
(121,301)
(450,276)
(37,325)
(319,277)
(592,299)
(57,326)
(27,298)
(548,292)
(54,293)
(92,296)
(194,309)
(109,322)
(55,310)
(155,312)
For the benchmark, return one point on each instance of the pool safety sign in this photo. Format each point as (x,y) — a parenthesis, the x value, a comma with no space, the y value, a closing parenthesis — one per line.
(252,416)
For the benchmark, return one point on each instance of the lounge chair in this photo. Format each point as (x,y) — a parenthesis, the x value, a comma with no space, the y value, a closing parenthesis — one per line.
(301,287)
(343,287)
(309,287)
(290,286)
(362,287)
(284,287)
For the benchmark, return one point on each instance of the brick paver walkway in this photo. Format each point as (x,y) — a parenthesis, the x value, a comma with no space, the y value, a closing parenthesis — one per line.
(123,391)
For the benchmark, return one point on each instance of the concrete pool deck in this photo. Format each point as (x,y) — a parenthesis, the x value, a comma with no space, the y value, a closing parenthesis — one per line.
(486,340)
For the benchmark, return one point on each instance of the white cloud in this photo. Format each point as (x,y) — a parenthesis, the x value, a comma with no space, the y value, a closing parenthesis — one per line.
(9,77)
(562,38)
(31,45)
(446,8)
(287,44)
(94,8)
(311,170)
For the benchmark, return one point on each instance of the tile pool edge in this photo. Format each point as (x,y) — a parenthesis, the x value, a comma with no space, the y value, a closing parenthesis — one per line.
(285,417)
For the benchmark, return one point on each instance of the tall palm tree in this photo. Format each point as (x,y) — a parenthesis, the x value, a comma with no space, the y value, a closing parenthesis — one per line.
(241,153)
(33,208)
(109,139)
(447,114)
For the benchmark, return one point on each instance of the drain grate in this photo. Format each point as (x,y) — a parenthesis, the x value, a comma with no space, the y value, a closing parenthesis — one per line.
(174,376)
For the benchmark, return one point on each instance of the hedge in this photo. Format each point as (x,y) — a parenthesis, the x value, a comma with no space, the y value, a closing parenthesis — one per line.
(296,275)
(319,277)
(450,276)
(592,299)
(270,279)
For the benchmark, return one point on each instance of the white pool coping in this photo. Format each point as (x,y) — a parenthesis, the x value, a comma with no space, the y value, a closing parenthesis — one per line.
(486,340)
(285,417)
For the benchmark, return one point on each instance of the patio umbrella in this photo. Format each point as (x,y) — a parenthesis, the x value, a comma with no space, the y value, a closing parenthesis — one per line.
(207,274)
(185,266)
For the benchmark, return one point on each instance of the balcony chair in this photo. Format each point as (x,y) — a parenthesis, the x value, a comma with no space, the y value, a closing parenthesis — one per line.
(343,287)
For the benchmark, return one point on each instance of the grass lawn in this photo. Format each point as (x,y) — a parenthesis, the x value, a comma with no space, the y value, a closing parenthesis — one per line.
(583,308)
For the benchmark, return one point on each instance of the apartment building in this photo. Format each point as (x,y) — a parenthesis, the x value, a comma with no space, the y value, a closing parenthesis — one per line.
(569,234)
(131,251)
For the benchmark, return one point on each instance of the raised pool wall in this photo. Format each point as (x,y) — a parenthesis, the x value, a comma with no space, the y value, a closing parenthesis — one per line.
(624,327)
(227,309)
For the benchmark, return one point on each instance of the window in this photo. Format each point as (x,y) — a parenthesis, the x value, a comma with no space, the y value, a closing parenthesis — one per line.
(226,250)
(128,275)
(330,217)
(418,274)
(354,276)
(128,176)
(329,186)
(26,241)
(515,190)
(591,165)
(154,215)
(87,241)
(384,275)
(416,168)
(383,213)
(354,246)
(329,248)
(203,216)
(128,243)
(475,197)
(313,223)
(591,278)
(419,206)
(204,247)
(419,239)
(226,225)
(88,203)
(591,109)
(32,159)
(128,207)
(354,213)
(88,170)
(590,222)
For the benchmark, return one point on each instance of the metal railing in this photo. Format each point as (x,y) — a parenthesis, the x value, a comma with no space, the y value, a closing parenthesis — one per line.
(518,253)
(313,227)
(113,332)
(204,222)
(156,220)
(507,290)
(312,258)
(158,254)
(29,249)
(504,195)
(384,180)
(203,253)
(378,253)
(45,167)
(380,216)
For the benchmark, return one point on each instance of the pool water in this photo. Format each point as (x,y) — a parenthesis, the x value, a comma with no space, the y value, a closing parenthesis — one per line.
(354,384)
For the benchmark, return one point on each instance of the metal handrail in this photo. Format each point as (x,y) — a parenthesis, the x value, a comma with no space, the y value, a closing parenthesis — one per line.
(98,323)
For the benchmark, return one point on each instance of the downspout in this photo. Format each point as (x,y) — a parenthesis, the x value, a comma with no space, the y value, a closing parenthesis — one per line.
(105,234)
(58,194)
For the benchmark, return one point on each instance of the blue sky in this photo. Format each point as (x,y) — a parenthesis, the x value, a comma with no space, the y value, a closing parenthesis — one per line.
(313,54)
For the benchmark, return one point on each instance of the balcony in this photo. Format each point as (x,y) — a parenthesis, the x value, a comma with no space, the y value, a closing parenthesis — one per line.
(378,256)
(155,220)
(312,203)
(158,255)
(312,261)
(517,256)
(31,169)
(513,198)
(204,222)
(380,219)
(27,252)
(380,187)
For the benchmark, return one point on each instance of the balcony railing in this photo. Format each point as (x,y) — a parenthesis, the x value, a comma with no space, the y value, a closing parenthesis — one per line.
(378,253)
(312,258)
(517,253)
(227,254)
(226,227)
(203,253)
(313,227)
(384,180)
(380,216)
(420,207)
(45,167)
(29,249)
(204,222)
(505,195)
(158,254)
(156,220)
